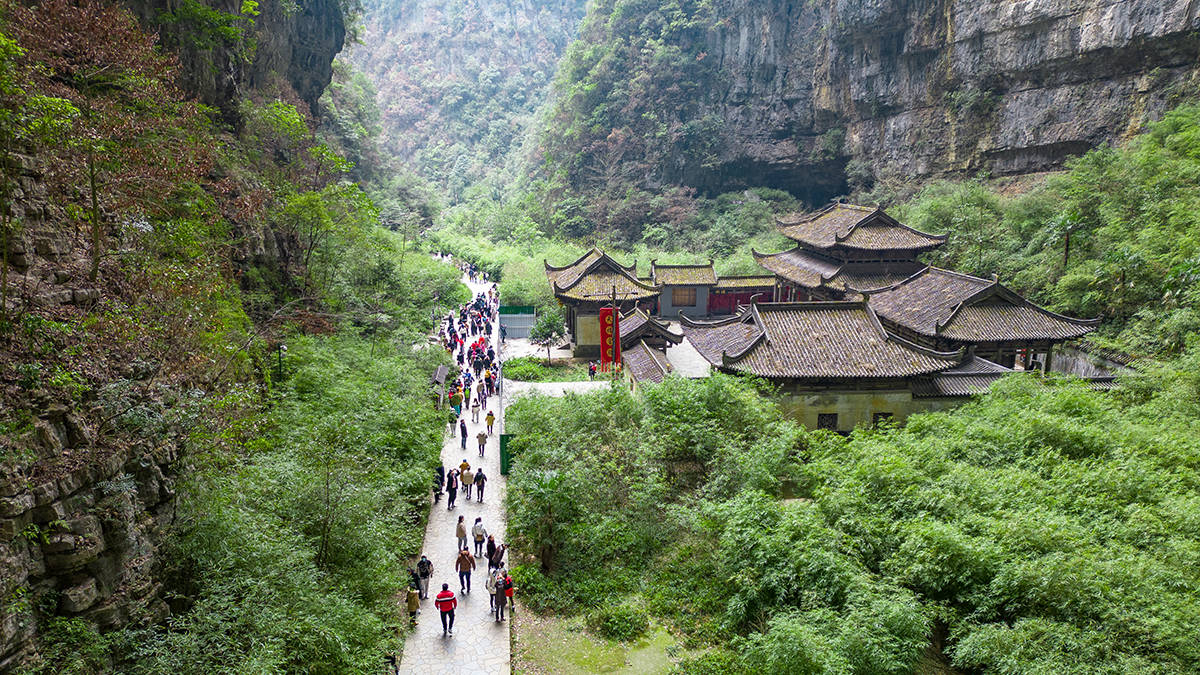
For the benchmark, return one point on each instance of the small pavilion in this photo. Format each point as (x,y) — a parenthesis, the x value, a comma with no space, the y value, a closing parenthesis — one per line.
(591,283)
(842,248)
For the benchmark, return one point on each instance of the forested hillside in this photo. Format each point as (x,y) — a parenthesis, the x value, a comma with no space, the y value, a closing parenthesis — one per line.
(459,80)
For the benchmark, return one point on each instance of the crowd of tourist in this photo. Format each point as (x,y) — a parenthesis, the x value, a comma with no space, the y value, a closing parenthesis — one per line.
(467,337)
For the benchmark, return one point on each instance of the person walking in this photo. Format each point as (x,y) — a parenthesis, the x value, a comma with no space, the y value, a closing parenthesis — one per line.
(424,571)
(501,598)
(413,603)
(446,602)
(481,438)
(460,531)
(480,481)
(479,533)
(475,405)
(462,430)
(491,419)
(498,557)
(464,564)
(509,589)
(491,586)
(468,481)
(490,550)
(451,488)
(591,370)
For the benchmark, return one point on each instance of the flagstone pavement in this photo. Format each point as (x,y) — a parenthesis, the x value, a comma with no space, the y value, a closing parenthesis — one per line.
(480,644)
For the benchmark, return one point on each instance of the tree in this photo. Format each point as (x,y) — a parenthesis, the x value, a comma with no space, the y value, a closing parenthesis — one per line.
(136,139)
(548,329)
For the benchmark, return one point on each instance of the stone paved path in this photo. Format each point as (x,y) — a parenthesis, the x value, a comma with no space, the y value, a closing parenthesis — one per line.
(480,644)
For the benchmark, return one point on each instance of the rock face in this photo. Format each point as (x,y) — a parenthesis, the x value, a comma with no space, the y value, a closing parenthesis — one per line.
(289,44)
(86,536)
(923,88)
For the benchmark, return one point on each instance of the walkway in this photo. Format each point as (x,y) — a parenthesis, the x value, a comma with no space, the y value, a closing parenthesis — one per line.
(480,644)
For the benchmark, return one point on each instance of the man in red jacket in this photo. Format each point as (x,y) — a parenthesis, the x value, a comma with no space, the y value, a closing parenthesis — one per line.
(446,603)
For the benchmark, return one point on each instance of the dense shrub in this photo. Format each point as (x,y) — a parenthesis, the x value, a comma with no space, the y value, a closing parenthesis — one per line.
(1041,522)
(1115,235)
(619,622)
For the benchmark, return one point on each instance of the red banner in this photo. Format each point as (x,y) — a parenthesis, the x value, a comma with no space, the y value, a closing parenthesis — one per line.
(610,338)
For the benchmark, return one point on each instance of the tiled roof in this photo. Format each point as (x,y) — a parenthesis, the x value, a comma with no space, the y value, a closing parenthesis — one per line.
(645,363)
(798,266)
(858,227)
(812,340)
(744,282)
(940,303)
(593,278)
(873,275)
(973,376)
(683,275)
(636,324)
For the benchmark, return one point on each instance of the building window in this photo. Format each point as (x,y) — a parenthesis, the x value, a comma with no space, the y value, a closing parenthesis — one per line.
(683,297)
(827,421)
(880,417)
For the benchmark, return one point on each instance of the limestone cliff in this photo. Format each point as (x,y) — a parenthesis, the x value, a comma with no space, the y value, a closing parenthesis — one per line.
(801,91)
(286,43)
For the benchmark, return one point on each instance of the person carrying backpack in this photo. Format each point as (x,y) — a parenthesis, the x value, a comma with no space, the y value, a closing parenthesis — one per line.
(480,481)
(446,602)
(479,533)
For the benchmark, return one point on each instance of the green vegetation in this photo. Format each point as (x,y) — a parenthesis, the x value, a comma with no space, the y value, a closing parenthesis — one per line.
(465,129)
(303,475)
(1113,236)
(533,369)
(324,507)
(1042,520)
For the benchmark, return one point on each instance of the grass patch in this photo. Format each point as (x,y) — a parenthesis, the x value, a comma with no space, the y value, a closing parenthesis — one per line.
(534,369)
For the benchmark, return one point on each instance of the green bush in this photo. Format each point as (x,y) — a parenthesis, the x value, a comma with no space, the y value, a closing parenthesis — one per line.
(619,622)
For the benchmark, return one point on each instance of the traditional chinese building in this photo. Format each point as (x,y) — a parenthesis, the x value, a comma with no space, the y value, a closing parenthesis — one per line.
(946,310)
(644,343)
(847,252)
(590,283)
(836,365)
(843,248)
(638,326)
(729,293)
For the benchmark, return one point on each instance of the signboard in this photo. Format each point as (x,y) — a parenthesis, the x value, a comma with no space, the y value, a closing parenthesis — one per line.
(610,338)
